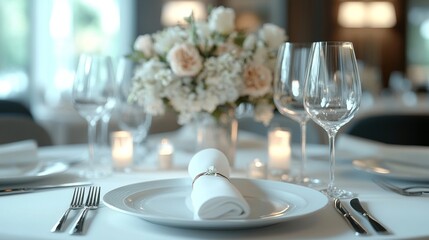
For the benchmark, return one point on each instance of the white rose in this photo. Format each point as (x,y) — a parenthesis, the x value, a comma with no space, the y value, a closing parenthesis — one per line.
(144,44)
(272,35)
(221,20)
(250,42)
(185,60)
(257,80)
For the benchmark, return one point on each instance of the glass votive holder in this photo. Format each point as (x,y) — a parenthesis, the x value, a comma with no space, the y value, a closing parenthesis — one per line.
(165,154)
(122,150)
(257,169)
(279,152)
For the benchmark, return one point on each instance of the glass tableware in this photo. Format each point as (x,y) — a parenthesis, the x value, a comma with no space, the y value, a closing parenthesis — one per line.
(131,116)
(288,96)
(332,95)
(93,90)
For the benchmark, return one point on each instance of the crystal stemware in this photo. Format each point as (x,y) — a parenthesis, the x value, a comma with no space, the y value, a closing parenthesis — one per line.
(93,90)
(131,116)
(288,96)
(332,95)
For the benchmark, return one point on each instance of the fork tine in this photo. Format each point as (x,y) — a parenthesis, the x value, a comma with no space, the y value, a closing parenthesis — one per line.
(75,196)
(78,197)
(90,194)
(97,198)
(81,196)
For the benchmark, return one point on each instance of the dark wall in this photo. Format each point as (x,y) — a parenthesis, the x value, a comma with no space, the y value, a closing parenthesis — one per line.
(315,20)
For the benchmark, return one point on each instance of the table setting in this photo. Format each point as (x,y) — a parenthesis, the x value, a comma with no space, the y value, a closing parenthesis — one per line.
(152,202)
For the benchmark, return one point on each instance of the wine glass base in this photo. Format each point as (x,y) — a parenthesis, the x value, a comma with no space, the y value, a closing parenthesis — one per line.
(92,173)
(306,181)
(335,192)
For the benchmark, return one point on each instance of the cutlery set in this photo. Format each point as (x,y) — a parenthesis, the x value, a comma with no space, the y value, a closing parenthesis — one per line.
(353,222)
(77,203)
(417,190)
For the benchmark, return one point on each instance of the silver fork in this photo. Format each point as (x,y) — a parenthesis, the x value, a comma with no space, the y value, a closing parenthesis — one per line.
(406,191)
(76,203)
(92,202)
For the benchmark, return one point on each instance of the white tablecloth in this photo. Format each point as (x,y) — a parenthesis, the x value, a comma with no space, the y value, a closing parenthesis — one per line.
(32,215)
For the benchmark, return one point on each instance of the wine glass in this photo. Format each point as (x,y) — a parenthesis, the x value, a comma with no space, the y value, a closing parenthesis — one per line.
(289,82)
(332,95)
(93,90)
(131,116)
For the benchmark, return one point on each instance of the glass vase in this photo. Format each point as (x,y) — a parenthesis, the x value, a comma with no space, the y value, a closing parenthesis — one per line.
(218,130)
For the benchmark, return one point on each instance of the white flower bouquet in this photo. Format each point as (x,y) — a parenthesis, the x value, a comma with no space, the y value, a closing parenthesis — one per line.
(206,65)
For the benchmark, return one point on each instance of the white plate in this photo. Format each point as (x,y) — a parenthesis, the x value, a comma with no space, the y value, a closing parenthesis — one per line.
(44,170)
(409,169)
(164,202)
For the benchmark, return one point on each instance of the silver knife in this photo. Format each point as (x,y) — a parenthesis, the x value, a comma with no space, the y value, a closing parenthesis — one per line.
(357,227)
(355,203)
(18,190)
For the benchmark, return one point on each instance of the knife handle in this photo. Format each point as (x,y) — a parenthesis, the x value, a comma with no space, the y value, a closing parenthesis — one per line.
(355,224)
(375,224)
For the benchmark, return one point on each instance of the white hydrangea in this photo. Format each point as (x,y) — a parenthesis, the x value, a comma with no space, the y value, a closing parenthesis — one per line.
(165,40)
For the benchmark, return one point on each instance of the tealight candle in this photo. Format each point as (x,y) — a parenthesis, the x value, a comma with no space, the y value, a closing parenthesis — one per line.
(165,154)
(279,149)
(122,149)
(257,169)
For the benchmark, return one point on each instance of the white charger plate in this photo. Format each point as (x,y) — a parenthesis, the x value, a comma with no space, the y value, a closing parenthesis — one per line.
(407,169)
(44,170)
(164,202)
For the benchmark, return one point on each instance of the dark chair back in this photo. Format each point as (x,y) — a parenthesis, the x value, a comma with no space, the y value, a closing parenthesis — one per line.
(10,107)
(18,128)
(393,129)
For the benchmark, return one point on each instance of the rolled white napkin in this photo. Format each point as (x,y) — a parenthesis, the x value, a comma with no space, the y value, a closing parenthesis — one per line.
(18,157)
(214,197)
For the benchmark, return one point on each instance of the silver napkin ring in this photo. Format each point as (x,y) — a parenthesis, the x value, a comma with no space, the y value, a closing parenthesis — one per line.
(211,171)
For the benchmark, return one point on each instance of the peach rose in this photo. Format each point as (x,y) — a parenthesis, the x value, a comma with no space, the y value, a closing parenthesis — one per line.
(185,60)
(257,80)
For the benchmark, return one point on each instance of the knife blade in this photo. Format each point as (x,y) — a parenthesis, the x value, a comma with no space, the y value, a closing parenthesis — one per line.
(353,223)
(356,205)
(19,190)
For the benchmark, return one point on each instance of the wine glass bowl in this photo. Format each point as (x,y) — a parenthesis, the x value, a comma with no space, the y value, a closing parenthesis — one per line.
(288,95)
(131,116)
(93,90)
(332,95)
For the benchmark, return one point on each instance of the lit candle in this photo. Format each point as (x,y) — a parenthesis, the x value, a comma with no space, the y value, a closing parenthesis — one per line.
(257,169)
(122,149)
(165,154)
(279,149)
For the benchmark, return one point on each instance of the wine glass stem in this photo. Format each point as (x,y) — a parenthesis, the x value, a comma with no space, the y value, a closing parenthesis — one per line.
(302,171)
(105,120)
(331,161)
(92,127)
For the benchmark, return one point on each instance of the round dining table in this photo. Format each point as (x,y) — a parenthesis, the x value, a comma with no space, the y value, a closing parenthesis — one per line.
(32,215)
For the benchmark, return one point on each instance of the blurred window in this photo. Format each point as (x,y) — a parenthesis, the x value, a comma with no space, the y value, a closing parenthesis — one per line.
(41,40)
